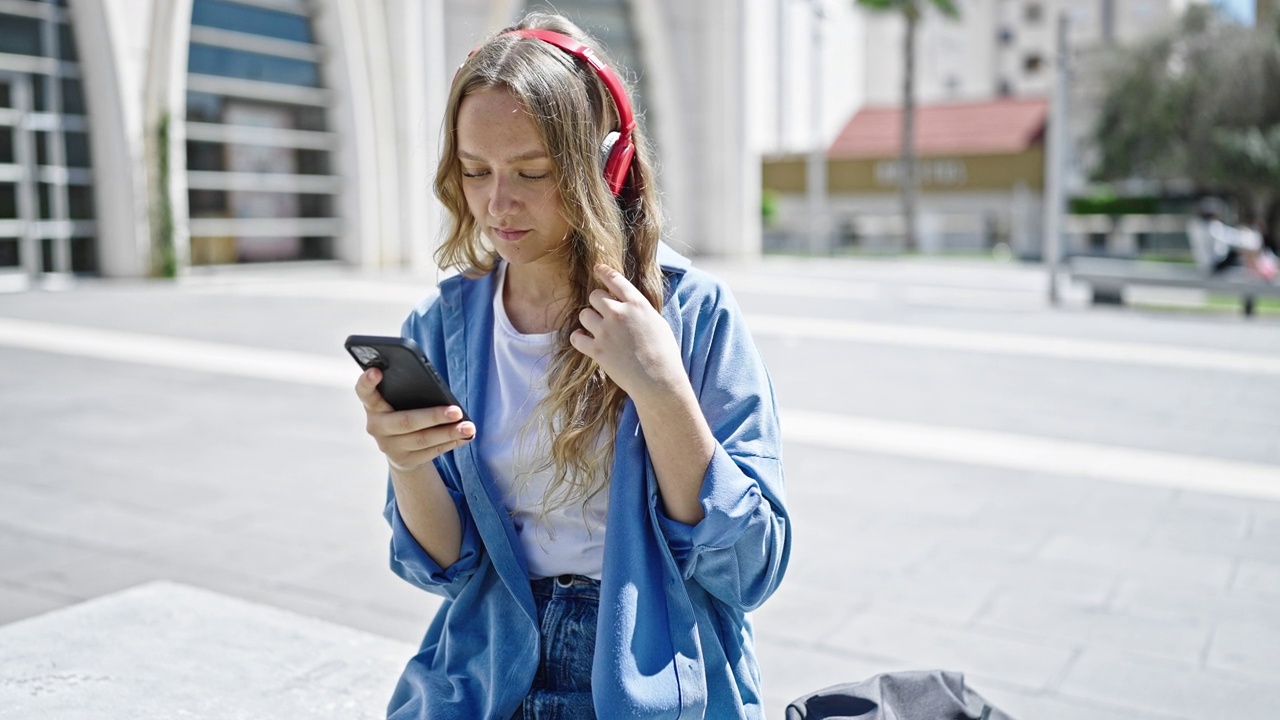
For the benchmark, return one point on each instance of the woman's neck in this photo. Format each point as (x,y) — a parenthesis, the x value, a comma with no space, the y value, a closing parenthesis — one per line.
(536,296)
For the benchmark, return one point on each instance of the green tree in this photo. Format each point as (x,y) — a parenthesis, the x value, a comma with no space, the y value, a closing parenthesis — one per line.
(911,11)
(1198,105)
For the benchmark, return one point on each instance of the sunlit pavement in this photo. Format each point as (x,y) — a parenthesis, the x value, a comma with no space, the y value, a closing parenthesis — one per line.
(1079,508)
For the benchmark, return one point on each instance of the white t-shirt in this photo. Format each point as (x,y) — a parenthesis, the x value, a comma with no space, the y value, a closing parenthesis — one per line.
(568,540)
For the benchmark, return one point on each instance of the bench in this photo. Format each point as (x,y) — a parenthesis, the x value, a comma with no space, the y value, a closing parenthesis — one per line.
(1108,276)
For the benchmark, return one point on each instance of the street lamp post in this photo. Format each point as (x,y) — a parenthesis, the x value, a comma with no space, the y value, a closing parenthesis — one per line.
(1055,163)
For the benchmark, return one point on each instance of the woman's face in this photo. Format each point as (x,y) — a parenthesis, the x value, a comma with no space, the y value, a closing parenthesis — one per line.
(509,179)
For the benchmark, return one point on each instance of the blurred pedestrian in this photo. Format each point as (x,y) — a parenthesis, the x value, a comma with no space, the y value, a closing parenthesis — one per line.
(1217,245)
(614,507)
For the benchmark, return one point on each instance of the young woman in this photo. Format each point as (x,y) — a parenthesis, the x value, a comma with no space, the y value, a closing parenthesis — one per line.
(614,507)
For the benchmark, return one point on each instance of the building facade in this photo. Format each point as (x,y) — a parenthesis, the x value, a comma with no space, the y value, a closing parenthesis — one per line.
(143,135)
(980,168)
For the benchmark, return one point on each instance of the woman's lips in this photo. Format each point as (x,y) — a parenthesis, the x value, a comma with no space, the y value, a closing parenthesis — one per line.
(510,235)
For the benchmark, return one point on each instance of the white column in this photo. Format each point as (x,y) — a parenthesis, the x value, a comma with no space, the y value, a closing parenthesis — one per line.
(436,81)
(729,222)
(358,72)
(111,37)
(669,125)
(418,61)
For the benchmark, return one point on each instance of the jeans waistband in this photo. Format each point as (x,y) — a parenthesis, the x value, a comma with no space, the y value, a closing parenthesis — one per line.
(566,585)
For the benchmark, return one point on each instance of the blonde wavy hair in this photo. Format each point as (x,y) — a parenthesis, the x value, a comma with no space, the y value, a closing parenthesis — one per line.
(573,112)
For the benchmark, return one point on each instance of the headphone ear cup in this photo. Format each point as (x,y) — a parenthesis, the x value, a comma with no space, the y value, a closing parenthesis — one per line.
(616,152)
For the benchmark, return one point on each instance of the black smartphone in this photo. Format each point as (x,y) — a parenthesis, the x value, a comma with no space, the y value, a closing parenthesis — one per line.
(409,381)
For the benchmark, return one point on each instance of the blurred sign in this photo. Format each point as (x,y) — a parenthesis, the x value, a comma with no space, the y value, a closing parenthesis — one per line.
(929,172)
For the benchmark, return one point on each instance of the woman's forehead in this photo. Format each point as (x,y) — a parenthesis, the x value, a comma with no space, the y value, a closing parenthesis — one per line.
(492,124)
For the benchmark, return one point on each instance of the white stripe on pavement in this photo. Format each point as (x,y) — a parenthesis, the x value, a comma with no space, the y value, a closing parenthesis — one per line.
(1013,344)
(1032,454)
(183,354)
(841,432)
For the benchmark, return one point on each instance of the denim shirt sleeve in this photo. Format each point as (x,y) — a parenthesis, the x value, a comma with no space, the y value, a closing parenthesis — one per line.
(408,559)
(411,562)
(738,552)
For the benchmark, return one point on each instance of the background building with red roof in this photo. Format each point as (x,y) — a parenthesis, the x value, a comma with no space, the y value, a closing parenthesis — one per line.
(981,170)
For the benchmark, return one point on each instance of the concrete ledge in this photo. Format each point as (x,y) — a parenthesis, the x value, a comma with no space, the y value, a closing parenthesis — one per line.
(165,650)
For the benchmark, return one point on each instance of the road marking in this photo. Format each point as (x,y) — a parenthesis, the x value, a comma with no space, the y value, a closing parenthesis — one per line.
(841,432)
(1032,454)
(1020,344)
(180,353)
(1012,344)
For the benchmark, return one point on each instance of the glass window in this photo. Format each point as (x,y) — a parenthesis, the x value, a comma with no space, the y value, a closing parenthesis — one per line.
(225,62)
(42,148)
(20,35)
(313,162)
(9,252)
(72,97)
(315,206)
(247,19)
(77,144)
(8,201)
(6,146)
(46,255)
(38,94)
(203,107)
(309,118)
(45,198)
(6,94)
(316,248)
(207,203)
(80,202)
(205,156)
(66,44)
(84,255)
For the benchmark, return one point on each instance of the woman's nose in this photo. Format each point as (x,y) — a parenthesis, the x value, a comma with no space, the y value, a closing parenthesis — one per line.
(502,199)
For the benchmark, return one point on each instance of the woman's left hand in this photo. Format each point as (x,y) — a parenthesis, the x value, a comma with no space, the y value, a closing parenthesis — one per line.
(629,339)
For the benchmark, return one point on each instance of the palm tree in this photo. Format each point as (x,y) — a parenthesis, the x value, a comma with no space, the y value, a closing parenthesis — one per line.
(911,11)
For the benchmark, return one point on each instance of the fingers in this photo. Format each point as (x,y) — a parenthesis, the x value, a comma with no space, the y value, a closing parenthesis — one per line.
(407,422)
(409,450)
(591,320)
(412,460)
(618,285)
(367,391)
(583,343)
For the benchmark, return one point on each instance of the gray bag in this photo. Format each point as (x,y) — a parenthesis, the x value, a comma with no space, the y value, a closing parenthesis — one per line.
(916,695)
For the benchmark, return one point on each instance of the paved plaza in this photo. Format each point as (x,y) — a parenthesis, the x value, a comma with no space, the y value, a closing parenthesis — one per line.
(1078,508)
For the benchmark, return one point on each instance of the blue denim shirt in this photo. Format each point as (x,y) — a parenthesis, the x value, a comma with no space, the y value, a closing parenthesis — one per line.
(673,637)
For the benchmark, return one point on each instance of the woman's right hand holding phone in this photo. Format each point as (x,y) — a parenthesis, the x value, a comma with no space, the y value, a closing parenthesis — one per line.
(410,438)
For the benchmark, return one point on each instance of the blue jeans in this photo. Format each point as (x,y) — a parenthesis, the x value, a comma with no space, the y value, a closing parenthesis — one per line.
(567,610)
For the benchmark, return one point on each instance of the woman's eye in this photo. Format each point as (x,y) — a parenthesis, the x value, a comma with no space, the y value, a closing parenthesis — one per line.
(473,173)
(535,176)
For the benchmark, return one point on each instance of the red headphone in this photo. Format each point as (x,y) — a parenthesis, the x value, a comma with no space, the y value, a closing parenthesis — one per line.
(617,148)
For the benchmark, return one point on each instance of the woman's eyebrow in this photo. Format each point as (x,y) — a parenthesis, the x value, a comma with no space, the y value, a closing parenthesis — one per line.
(530,155)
